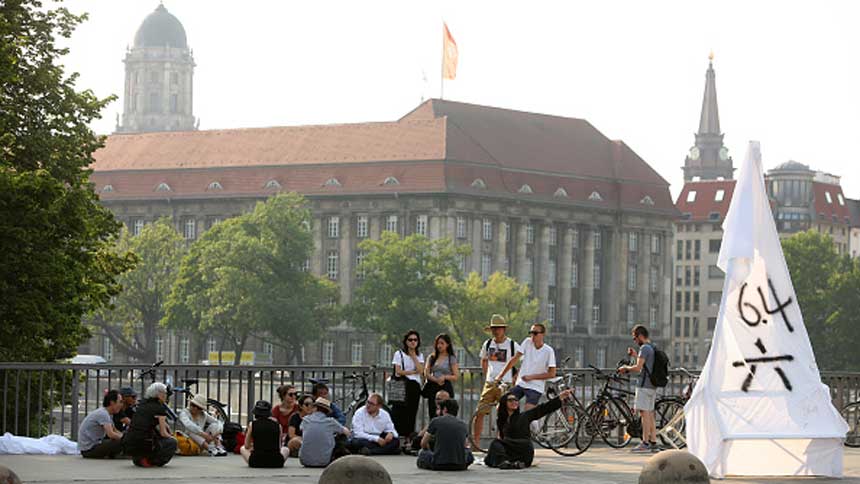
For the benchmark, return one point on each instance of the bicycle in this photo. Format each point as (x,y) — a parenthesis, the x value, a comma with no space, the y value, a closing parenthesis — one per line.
(483,410)
(610,413)
(669,415)
(214,407)
(358,397)
(570,423)
(851,414)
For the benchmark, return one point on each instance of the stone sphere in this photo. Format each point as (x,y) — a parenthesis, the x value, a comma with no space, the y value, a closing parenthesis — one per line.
(8,477)
(355,469)
(674,467)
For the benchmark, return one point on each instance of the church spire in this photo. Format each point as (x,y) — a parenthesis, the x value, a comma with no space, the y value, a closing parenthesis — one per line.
(709,123)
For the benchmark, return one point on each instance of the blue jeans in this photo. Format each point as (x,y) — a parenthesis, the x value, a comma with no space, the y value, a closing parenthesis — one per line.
(391,448)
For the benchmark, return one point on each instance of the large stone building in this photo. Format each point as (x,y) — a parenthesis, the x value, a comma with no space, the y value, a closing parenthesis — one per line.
(581,218)
(801,199)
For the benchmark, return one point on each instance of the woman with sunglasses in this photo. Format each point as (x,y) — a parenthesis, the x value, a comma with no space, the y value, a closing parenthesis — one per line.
(513,449)
(283,411)
(408,362)
(294,431)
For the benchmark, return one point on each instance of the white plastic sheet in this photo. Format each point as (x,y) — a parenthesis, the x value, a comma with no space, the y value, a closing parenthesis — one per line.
(50,445)
(760,408)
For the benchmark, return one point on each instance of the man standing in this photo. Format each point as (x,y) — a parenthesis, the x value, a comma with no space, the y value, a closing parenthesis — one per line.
(129,403)
(646,393)
(538,366)
(97,437)
(498,357)
(372,429)
(449,451)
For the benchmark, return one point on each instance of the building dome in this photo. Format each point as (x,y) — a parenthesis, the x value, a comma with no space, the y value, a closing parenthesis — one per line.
(792,165)
(160,29)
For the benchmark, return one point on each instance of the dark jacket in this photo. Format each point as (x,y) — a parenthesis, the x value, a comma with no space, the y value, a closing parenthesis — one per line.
(516,442)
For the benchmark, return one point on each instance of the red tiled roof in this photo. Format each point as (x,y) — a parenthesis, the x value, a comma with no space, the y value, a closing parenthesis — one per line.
(439,146)
(705,202)
(827,211)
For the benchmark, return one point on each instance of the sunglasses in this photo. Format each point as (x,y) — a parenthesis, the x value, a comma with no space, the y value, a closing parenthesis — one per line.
(308,404)
(513,399)
(292,394)
(412,339)
(535,332)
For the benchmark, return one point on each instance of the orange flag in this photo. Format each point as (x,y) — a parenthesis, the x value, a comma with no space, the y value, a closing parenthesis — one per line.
(449,54)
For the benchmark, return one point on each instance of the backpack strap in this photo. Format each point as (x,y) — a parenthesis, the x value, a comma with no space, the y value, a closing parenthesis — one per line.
(487,346)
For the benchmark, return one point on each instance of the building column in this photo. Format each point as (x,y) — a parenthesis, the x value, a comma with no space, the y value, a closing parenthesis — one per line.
(317,257)
(666,296)
(451,227)
(565,262)
(542,278)
(345,258)
(521,251)
(434,229)
(643,286)
(376,223)
(587,280)
(477,225)
(500,247)
(615,274)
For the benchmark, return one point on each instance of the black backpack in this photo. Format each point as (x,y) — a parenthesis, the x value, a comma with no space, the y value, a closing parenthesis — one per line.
(514,370)
(659,376)
(228,435)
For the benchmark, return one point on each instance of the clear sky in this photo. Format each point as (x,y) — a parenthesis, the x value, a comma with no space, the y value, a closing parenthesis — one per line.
(787,71)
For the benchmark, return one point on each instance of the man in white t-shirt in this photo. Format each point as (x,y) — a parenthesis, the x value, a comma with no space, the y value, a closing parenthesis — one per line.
(499,354)
(538,366)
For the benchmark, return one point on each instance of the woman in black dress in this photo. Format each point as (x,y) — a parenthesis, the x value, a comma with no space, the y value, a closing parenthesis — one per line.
(263,439)
(514,449)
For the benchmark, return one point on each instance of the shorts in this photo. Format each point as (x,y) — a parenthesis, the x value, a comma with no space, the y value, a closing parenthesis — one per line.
(490,396)
(645,398)
(532,396)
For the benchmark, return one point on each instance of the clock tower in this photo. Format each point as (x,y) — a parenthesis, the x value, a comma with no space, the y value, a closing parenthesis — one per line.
(709,159)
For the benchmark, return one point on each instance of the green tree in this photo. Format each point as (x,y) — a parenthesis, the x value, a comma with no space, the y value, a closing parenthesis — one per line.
(823,283)
(244,277)
(132,320)
(471,302)
(399,291)
(58,263)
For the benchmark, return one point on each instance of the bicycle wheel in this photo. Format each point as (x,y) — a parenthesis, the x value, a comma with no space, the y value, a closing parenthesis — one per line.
(612,418)
(554,429)
(487,409)
(666,411)
(851,414)
(582,435)
(218,412)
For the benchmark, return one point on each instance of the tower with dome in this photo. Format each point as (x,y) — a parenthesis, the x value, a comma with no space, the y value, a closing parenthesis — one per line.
(159,74)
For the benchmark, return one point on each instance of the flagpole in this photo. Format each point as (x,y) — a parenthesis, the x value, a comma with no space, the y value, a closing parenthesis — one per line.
(442,65)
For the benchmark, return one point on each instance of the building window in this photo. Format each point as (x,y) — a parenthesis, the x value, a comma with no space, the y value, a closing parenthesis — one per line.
(333,227)
(268,349)
(679,275)
(653,311)
(691,196)
(596,276)
(550,311)
(656,242)
(601,357)
(328,353)
(461,263)
(138,227)
(718,197)
(530,234)
(688,273)
(553,235)
(488,229)
(551,268)
(391,181)
(506,231)
(184,349)
(461,227)
(356,352)
(696,273)
(361,227)
(828,197)
(714,246)
(633,241)
(678,300)
(698,249)
(595,197)
(526,189)
(712,324)
(332,182)
(598,242)
(686,300)
(686,327)
(595,314)
(108,349)
(332,266)
(479,184)
(211,346)
(159,348)
(653,279)
(696,301)
(359,258)
(579,357)
(715,272)
(631,313)
(391,223)
(677,327)
(486,266)
(574,235)
(631,278)
(680,253)
(421,225)
(574,273)
(695,327)
(688,249)
(841,200)
(190,229)
(574,313)
(306,265)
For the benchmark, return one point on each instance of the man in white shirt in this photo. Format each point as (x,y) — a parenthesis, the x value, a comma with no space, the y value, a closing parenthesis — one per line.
(372,430)
(499,354)
(538,366)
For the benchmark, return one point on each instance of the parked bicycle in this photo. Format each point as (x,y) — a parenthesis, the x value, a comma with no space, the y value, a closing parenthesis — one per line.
(669,414)
(214,407)
(569,431)
(359,393)
(851,414)
(486,409)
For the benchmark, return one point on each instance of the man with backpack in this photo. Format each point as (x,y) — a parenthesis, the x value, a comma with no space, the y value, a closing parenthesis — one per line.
(653,368)
(499,354)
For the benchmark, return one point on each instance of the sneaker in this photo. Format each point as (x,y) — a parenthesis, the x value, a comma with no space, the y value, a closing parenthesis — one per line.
(655,447)
(213,451)
(642,448)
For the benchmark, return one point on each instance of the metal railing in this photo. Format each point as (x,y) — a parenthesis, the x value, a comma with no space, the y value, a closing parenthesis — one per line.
(40,399)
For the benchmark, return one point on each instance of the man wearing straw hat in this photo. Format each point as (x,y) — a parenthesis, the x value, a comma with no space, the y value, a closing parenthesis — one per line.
(323,438)
(499,354)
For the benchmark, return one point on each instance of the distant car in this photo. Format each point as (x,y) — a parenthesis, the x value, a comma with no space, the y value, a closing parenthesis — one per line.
(88,360)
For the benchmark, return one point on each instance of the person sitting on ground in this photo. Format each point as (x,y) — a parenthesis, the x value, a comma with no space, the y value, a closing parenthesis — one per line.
(294,431)
(373,431)
(97,436)
(148,439)
(263,439)
(288,406)
(323,439)
(415,445)
(450,450)
(513,449)
(204,429)
(122,419)
(320,390)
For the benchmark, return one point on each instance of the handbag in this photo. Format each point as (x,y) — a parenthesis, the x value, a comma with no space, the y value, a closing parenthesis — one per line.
(395,386)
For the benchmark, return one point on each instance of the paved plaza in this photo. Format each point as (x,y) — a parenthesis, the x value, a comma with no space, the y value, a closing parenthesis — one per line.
(597,466)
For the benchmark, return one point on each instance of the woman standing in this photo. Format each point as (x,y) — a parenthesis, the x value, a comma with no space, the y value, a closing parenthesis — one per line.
(263,439)
(514,449)
(408,362)
(294,432)
(288,406)
(441,372)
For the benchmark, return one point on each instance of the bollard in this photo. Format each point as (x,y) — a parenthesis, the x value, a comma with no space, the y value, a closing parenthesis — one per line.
(9,477)
(355,469)
(674,467)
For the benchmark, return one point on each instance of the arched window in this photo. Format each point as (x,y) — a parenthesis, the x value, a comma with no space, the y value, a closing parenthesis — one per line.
(595,197)
(107,189)
(331,182)
(526,189)
(272,184)
(646,200)
(561,193)
(479,184)
(391,181)
(162,187)
(215,186)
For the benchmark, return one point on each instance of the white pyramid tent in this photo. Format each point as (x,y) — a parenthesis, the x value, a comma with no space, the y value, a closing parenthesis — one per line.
(760,408)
